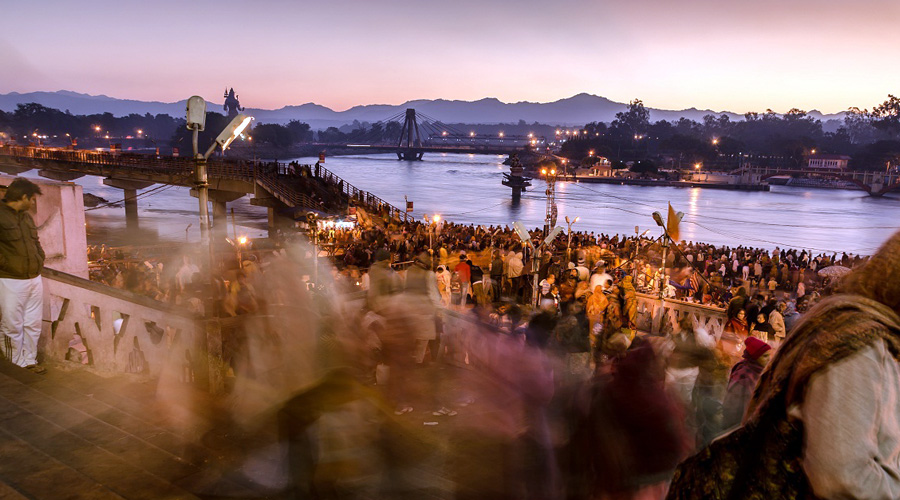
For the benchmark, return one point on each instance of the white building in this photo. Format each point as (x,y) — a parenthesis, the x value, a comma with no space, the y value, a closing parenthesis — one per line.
(828,162)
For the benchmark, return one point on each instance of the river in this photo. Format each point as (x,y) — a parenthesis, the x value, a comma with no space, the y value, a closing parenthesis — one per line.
(466,188)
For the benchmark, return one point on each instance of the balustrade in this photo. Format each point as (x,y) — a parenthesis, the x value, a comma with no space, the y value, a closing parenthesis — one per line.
(152,337)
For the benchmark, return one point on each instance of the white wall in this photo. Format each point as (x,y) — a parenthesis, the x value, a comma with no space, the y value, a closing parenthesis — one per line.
(59,216)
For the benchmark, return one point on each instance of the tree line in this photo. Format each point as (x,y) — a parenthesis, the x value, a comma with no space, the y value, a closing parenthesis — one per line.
(870,138)
(34,122)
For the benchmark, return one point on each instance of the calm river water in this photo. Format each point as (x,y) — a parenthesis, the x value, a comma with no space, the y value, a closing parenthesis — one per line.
(466,188)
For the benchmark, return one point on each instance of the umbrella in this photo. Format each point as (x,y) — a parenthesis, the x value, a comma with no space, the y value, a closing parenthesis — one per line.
(833,271)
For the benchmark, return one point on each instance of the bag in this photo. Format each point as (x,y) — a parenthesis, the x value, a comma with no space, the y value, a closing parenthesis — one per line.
(759,461)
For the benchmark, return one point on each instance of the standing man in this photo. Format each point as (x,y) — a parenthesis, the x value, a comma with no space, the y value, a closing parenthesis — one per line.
(464,271)
(21,263)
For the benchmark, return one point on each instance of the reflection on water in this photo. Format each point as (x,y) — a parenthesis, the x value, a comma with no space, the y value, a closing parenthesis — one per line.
(467,188)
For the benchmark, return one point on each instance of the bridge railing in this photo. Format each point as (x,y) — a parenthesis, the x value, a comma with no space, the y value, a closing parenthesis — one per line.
(140,163)
(357,194)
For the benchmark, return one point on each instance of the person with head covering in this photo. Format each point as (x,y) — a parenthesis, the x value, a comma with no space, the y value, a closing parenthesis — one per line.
(824,419)
(761,328)
(791,316)
(443,284)
(744,376)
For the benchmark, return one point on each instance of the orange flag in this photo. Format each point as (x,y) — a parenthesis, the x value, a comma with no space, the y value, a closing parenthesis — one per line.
(672,223)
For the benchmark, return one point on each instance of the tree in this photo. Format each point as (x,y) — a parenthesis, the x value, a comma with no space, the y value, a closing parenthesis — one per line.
(644,167)
(887,115)
(635,119)
(300,132)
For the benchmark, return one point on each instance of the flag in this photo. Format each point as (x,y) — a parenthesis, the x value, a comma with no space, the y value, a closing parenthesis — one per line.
(409,206)
(672,224)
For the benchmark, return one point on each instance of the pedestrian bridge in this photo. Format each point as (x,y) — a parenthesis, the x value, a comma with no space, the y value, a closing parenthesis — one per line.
(278,186)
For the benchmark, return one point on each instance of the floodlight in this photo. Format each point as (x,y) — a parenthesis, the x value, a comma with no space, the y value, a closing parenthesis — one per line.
(550,237)
(522,232)
(234,129)
(196,113)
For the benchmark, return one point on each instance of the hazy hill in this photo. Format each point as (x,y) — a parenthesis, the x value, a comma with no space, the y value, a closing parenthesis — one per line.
(573,111)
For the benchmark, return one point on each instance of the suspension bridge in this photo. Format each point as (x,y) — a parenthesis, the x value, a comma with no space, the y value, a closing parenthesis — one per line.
(411,134)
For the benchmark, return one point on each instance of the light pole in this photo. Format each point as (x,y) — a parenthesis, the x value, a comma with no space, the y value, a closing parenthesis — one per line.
(196,122)
(535,253)
(569,238)
(548,170)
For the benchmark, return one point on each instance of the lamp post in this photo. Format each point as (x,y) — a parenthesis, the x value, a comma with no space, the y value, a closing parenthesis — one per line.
(548,170)
(196,122)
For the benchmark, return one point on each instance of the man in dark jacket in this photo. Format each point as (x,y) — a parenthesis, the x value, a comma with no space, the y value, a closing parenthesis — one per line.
(21,263)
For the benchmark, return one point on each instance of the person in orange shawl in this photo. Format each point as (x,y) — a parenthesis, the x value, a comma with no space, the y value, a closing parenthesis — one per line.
(596,313)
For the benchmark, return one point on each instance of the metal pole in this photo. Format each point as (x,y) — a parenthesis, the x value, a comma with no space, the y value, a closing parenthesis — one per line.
(316,253)
(535,269)
(664,278)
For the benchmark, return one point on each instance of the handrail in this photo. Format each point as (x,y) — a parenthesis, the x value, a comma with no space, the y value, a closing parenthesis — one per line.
(117,293)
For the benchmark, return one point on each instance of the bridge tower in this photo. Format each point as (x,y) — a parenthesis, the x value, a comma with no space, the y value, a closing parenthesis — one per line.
(409,147)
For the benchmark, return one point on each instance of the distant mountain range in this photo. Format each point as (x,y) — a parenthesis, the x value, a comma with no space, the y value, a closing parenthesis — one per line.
(573,111)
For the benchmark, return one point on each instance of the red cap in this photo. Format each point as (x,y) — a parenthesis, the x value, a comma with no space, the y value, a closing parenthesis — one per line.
(754,348)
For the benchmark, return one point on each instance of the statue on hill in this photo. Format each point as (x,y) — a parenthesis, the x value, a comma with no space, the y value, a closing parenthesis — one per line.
(232,104)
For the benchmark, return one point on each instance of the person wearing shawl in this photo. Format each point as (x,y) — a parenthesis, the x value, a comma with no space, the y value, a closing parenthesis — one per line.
(761,328)
(744,376)
(824,420)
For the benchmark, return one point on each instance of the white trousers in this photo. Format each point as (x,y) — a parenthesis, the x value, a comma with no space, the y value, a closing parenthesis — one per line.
(21,308)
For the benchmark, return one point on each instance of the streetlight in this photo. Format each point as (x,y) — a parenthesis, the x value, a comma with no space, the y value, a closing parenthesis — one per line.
(535,253)
(196,122)
(569,239)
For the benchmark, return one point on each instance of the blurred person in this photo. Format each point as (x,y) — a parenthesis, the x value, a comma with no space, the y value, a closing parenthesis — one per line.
(21,263)
(631,432)
(742,380)
(383,281)
(443,284)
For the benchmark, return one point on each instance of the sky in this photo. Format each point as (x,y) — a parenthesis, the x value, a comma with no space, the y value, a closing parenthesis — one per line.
(722,55)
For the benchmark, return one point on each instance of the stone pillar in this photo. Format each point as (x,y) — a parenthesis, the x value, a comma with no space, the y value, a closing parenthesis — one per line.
(131,210)
(220,221)
(273,230)
(130,188)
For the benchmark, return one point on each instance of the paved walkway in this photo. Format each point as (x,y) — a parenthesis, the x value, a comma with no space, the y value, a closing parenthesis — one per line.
(73,434)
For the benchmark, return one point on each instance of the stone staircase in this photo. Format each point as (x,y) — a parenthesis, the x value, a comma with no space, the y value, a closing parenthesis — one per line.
(72,434)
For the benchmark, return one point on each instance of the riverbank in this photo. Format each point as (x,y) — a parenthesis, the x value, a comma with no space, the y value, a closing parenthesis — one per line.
(622,181)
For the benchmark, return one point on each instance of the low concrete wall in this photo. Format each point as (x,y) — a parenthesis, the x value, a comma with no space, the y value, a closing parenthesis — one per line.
(153,338)
(660,316)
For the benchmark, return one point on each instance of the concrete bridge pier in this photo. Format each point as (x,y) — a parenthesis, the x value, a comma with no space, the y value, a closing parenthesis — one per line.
(220,200)
(130,189)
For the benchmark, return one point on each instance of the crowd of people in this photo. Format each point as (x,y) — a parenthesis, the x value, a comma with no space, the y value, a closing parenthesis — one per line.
(581,367)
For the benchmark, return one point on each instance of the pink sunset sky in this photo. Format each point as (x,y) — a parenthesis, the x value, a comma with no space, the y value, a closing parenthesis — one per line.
(722,55)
